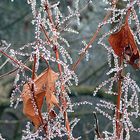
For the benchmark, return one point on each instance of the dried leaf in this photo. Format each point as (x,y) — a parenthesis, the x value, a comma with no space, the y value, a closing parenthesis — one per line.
(124,45)
(44,87)
(28,108)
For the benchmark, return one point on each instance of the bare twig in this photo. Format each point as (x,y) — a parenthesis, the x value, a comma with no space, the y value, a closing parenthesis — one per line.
(97,126)
(8,73)
(74,66)
(118,124)
(15,61)
(89,44)
(55,49)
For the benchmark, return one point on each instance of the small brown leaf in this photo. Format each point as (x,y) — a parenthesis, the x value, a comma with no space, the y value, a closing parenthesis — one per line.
(44,87)
(124,45)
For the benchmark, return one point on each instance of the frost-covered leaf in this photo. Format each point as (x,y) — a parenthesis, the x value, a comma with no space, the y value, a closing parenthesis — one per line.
(33,100)
(124,45)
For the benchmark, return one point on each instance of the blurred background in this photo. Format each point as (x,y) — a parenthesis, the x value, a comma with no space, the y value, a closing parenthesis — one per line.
(16,28)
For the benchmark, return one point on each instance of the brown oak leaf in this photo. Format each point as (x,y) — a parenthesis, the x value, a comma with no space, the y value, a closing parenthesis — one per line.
(44,87)
(124,45)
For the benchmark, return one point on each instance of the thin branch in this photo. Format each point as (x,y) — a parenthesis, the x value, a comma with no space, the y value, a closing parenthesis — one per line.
(55,49)
(120,79)
(97,126)
(12,71)
(15,61)
(118,124)
(8,73)
(74,66)
(45,60)
(6,61)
